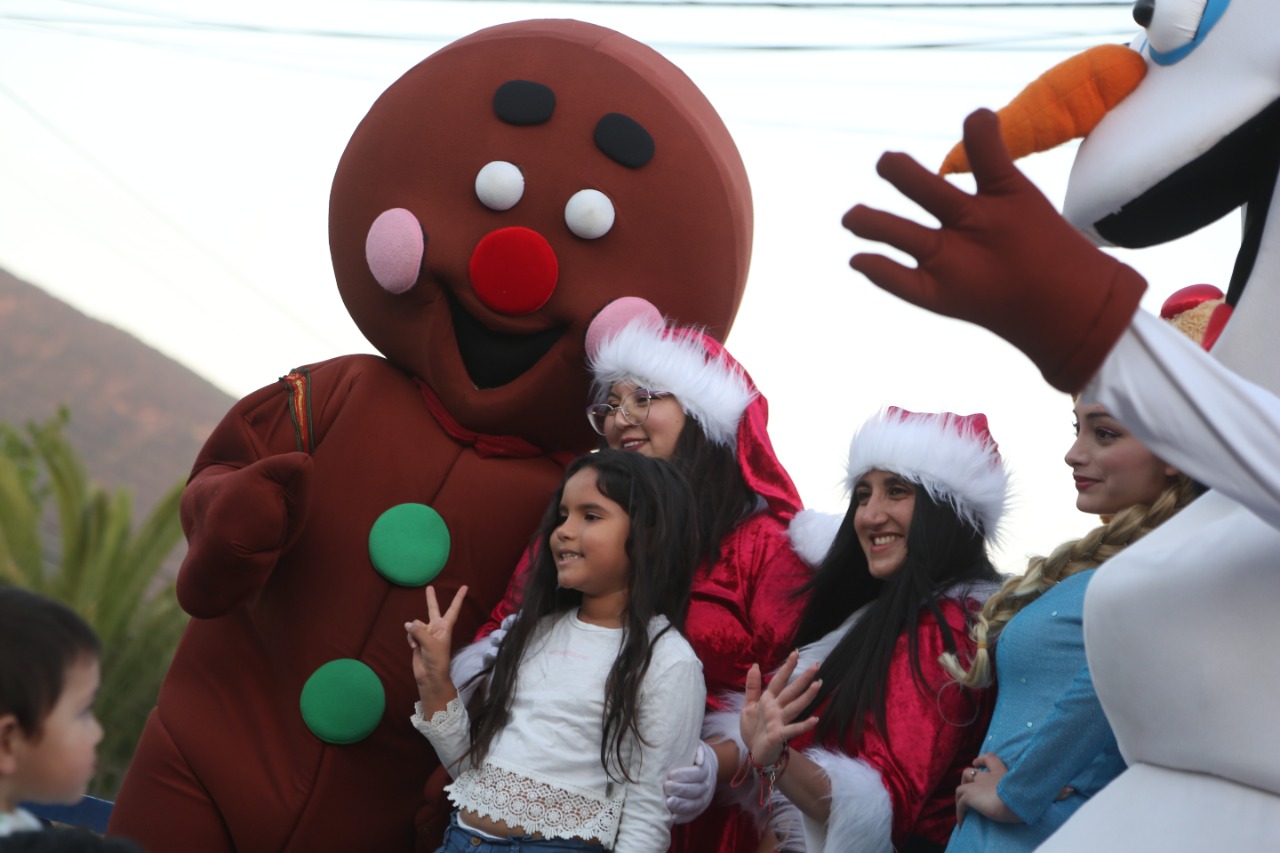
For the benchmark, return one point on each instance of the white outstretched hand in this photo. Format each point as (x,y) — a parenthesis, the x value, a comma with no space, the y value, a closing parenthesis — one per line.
(690,789)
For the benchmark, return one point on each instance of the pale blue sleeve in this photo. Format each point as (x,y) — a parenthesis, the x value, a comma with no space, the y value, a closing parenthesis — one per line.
(1074,734)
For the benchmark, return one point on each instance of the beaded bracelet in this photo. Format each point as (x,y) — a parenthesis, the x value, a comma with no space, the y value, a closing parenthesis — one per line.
(768,773)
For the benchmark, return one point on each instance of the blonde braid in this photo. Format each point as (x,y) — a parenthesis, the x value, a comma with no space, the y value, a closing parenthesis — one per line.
(1092,550)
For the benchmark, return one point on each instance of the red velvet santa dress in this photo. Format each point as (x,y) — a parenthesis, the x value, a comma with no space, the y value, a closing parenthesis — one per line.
(893,786)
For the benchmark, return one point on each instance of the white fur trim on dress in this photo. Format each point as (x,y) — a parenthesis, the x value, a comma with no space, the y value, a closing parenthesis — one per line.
(811,532)
(787,823)
(726,725)
(861,816)
(715,392)
(820,649)
(962,470)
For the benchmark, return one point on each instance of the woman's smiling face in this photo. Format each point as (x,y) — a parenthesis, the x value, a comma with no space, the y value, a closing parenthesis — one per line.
(1113,470)
(885,504)
(657,436)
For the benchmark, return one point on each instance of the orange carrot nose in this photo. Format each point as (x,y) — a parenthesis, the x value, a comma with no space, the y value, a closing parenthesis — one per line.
(1064,103)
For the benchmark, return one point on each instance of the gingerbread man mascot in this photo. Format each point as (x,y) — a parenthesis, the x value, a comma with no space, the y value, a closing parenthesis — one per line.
(1181,628)
(493,200)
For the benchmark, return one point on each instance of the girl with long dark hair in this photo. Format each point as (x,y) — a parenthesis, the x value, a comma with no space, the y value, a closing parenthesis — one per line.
(675,393)
(595,695)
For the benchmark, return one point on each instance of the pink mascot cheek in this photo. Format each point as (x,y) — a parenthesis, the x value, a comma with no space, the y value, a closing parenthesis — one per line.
(394,249)
(617,314)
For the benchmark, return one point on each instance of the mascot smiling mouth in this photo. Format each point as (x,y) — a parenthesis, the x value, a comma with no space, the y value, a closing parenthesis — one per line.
(492,359)
(1241,169)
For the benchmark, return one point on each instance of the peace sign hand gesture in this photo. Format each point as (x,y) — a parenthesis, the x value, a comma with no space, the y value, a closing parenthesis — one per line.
(432,644)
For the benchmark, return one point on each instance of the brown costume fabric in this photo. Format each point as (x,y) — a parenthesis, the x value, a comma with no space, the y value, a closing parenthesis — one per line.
(279,576)
(974,247)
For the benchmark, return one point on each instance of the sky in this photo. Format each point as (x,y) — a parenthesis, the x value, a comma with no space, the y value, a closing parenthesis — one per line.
(165,167)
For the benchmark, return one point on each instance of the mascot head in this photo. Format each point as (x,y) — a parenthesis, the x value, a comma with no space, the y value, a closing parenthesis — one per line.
(1198,139)
(1180,128)
(510,186)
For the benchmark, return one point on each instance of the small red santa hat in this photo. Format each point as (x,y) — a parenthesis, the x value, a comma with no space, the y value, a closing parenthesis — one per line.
(629,341)
(1198,311)
(952,456)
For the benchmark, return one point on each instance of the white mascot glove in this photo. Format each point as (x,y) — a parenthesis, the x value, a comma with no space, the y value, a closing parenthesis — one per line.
(473,659)
(495,639)
(689,789)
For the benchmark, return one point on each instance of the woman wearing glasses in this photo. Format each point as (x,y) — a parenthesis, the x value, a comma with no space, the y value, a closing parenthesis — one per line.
(676,394)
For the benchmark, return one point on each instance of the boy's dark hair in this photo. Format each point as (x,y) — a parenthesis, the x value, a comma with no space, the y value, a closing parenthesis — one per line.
(39,641)
(662,547)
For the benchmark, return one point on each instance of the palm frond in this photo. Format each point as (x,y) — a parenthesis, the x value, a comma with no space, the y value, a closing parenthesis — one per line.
(105,569)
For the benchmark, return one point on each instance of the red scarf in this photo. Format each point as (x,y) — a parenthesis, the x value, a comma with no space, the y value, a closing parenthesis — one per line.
(486,446)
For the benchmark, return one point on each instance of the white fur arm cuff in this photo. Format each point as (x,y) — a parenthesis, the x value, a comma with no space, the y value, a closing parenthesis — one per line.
(861,815)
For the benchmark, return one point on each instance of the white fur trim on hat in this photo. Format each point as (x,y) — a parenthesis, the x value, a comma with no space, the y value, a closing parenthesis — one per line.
(811,532)
(714,391)
(942,453)
(861,816)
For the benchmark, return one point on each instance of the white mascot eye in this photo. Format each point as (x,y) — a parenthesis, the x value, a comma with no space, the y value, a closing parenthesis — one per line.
(1177,25)
(499,185)
(589,214)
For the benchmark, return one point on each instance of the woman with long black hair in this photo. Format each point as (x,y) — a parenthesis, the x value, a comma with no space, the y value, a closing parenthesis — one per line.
(869,740)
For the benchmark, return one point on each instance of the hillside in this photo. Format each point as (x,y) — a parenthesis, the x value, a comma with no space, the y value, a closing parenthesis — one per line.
(137,417)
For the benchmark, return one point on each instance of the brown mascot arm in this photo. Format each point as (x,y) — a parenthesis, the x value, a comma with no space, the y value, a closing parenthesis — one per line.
(1004,258)
(242,508)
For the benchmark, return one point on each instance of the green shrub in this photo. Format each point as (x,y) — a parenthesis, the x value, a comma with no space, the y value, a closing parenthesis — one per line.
(100,565)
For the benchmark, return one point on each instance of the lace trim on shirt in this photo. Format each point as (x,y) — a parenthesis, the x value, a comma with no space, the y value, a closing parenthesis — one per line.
(438,719)
(536,806)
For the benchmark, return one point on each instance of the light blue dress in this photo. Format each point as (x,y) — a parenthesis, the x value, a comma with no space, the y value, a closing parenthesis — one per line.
(1048,727)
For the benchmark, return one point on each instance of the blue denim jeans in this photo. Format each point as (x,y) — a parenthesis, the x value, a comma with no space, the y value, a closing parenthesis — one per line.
(459,839)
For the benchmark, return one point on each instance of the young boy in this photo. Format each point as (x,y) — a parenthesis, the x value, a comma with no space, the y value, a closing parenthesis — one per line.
(48,681)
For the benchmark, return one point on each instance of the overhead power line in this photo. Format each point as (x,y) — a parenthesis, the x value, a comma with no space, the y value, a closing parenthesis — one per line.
(160,215)
(1014,41)
(837,5)
(163,19)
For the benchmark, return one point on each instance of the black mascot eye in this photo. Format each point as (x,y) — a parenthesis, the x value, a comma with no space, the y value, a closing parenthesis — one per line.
(523,102)
(1143,12)
(624,140)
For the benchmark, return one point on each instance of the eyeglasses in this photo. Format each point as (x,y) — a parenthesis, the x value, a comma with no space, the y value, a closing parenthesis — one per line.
(634,408)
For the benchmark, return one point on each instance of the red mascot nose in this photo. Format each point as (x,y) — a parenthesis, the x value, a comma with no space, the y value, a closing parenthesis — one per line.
(514,270)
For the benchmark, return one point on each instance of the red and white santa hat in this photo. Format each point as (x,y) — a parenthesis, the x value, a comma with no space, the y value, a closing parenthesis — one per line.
(952,456)
(629,341)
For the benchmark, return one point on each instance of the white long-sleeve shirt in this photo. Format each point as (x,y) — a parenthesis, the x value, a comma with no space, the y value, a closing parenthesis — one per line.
(543,771)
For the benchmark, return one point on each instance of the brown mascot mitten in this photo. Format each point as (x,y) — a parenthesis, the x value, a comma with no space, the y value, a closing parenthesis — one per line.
(1004,259)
